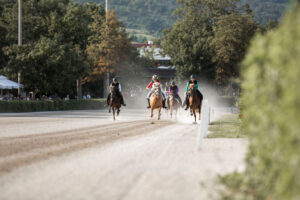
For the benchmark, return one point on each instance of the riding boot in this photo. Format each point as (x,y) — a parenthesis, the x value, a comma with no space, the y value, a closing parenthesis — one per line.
(187,103)
(122,101)
(108,99)
(148,100)
(164,104)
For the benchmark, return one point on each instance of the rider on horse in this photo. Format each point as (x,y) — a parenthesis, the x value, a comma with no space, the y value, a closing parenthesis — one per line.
(116,84)
(195,82)
(154,80)
(173,89)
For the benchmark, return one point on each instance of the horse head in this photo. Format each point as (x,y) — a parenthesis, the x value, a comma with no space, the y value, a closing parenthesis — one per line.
(192,89)
(114,91)
(157,89)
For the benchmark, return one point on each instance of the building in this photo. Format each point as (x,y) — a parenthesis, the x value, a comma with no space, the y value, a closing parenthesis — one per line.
(163,66)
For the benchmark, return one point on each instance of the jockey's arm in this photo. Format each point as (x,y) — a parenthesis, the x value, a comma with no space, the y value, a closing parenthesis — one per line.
(149,85)
(197,86)
(120,88)
(187,86)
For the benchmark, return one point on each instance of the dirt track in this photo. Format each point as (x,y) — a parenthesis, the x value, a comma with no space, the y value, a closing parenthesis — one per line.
(130,159)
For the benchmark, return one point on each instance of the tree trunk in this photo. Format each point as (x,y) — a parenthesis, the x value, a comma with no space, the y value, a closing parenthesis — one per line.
(79,89)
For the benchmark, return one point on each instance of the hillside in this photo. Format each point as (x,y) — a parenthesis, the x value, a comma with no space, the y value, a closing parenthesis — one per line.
(155,15)
(150,15)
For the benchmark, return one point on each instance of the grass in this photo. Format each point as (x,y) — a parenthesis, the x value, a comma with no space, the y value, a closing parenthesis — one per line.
(226,127)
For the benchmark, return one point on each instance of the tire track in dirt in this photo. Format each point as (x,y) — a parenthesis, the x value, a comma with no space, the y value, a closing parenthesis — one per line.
(20,151)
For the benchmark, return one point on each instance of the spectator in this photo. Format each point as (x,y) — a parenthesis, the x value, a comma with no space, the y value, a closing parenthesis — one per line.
(67,98)
(88,96)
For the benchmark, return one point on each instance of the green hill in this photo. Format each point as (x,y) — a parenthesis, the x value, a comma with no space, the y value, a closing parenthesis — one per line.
(155,15)
(150,15)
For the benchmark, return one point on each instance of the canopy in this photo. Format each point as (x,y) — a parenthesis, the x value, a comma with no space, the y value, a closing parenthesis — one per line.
(8,84)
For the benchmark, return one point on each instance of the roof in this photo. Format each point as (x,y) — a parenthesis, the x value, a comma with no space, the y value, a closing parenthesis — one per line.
(169,72)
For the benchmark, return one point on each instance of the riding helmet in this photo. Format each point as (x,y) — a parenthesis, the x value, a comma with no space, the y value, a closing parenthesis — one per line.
(167,83)
(173,82)
(193,76)
(155,77)
(115,79)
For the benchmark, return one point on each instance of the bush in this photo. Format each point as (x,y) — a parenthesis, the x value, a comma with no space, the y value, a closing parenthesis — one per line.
(271,115)
(35,106)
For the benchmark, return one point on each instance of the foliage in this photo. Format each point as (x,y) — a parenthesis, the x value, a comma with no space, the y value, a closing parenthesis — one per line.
(271,114)
(156,15)
(210,38)
(151,15)
(109,48)
(54,37)
(36,106)
(62,42)
(267,10)
(232,34)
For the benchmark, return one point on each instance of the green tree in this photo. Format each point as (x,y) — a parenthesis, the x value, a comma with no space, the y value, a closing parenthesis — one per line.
(271,114)
(54,36)
(198,41)
(232,34)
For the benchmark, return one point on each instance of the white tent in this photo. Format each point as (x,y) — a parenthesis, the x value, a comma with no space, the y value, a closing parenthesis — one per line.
(5,83)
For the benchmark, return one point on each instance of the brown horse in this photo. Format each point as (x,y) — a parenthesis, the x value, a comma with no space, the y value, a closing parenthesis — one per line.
(174,105)
(195,102)
(156,100)
(115,101)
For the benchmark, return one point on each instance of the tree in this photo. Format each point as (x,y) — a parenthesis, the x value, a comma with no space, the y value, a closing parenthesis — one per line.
(270,104)
(189,41)
(109,47)
(232,34)
(54,39)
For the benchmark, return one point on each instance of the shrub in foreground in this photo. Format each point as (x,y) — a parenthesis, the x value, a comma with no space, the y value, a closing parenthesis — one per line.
(271,116)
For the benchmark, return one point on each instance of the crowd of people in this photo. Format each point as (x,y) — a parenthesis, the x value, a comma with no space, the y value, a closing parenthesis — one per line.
(8,96)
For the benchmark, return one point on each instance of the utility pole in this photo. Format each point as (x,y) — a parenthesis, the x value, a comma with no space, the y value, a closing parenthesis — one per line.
(106,80)
(19,39)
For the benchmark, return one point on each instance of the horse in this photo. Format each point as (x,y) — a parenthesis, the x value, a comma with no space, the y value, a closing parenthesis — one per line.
(115,101)
(156,100)
(194,102)
(174,104)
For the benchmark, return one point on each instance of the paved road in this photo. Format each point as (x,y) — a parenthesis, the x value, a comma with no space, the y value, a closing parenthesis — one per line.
(86,155)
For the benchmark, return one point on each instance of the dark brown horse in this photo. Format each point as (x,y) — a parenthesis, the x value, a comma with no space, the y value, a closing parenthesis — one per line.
(174,105)
(115,101)
(195,102)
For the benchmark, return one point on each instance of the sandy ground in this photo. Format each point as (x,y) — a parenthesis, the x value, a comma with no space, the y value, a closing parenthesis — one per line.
(85,155)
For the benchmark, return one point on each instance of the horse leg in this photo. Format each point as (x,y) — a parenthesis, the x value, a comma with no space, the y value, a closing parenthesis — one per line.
(113,109)
(200,107)
(151,113)
(194,112)
(159,109)
(118,111)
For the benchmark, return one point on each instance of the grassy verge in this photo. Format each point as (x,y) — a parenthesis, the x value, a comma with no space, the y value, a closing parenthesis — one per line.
(226,127)
(36,106)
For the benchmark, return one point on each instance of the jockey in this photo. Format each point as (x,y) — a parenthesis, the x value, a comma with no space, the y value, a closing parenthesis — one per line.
(191,81)
(154,80)
(174,89)
(115,83)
